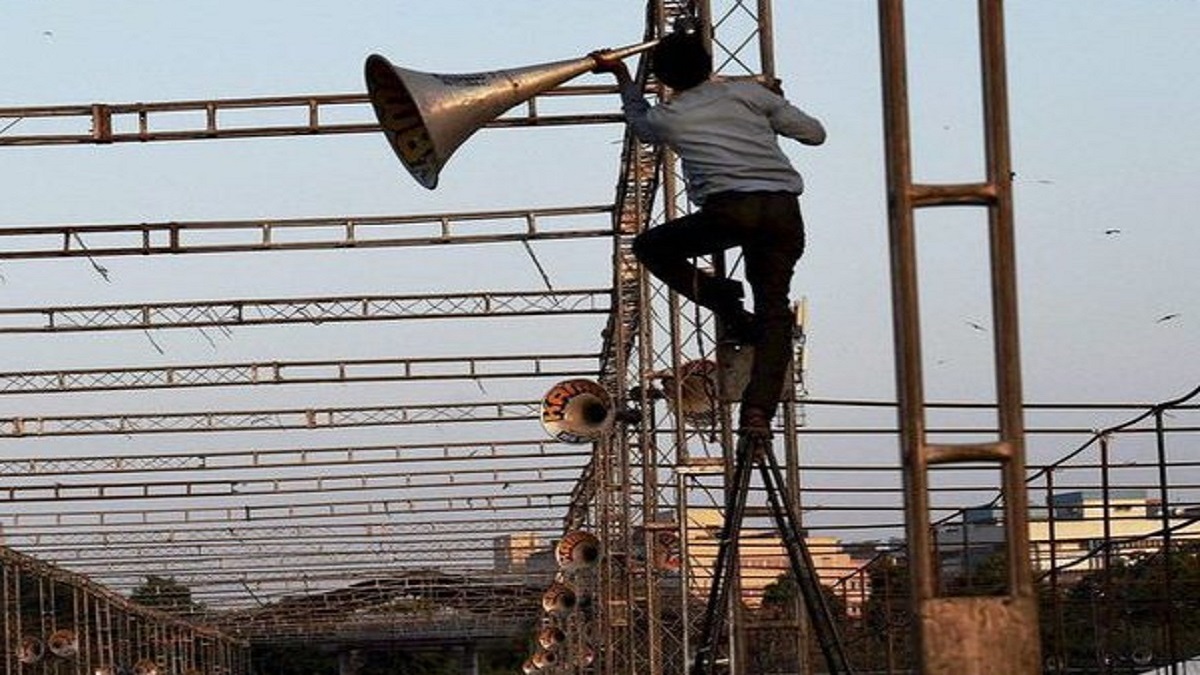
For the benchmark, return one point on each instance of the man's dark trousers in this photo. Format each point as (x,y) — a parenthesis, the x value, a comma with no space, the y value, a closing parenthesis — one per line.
(769,229)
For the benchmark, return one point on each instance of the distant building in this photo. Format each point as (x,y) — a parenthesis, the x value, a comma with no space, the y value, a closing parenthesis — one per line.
(1074,532)
(763,559)
(511,552)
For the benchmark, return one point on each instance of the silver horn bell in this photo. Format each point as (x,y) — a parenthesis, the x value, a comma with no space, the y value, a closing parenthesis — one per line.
(426,116)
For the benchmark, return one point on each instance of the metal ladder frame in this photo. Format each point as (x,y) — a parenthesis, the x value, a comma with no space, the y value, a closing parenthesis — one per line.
(959,635)
(753,452)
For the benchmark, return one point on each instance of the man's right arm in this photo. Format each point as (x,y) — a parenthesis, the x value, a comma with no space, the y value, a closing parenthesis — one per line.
(633,103)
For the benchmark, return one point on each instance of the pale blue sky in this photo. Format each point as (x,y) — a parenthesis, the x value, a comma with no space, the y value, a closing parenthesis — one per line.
(1103,101)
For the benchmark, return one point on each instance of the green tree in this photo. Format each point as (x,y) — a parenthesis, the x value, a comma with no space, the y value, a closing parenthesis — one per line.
(166,594)
(1139,612)
(882,640)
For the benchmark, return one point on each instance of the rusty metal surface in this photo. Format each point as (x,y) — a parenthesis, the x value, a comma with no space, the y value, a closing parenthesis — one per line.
(980,636)
(946,622)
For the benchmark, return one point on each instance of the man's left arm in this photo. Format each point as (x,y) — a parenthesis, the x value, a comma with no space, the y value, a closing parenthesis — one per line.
(788,120)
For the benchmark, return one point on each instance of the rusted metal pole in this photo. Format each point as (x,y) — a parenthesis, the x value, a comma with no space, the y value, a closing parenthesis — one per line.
(959,635)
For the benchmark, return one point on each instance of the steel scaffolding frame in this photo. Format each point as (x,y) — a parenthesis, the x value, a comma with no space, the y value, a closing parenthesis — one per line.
(645,619)
(290,540)
(54,618)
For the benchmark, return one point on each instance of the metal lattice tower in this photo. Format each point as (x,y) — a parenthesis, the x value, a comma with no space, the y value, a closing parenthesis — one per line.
(661,467)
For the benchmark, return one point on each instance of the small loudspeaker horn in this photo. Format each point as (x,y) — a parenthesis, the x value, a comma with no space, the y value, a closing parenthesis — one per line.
(559,598)
(577,549)
(696,395)
(549,636)
(31,650)
(63,643)
(577,411)
(145,667)
(544,659)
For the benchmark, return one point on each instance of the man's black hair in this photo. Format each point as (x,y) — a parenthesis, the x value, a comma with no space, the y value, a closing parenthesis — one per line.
(681,61)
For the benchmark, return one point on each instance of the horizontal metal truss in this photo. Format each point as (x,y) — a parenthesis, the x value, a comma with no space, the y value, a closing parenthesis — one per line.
(326,511)
(474,606)
(247,312)
(342,371)
(231,236)
(53,538)
(275,458)
(277,419)
(272,480)
(271,566)
(104,123)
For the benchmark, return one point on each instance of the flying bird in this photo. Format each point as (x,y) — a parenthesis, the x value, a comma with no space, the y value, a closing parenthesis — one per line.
(1112,231)
(1167,317)
(976,326)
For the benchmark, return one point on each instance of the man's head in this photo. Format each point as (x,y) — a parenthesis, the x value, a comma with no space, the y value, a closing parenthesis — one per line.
(681,61)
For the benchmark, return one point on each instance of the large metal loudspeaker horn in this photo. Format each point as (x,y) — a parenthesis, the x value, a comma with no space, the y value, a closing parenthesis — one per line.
(695,393)
(426,116)
(577,549)
(577,411)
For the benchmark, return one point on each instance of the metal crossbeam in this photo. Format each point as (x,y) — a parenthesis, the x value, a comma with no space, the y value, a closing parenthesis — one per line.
(201,554)
(278,419)
(281,566)
(249,312)
(251,487)
(328,512)
(362,232)
(278,459)
(341,371)
(104,123)
(59,537)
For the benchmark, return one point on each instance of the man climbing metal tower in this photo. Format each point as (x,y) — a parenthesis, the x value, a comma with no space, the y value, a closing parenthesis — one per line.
(726,136)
